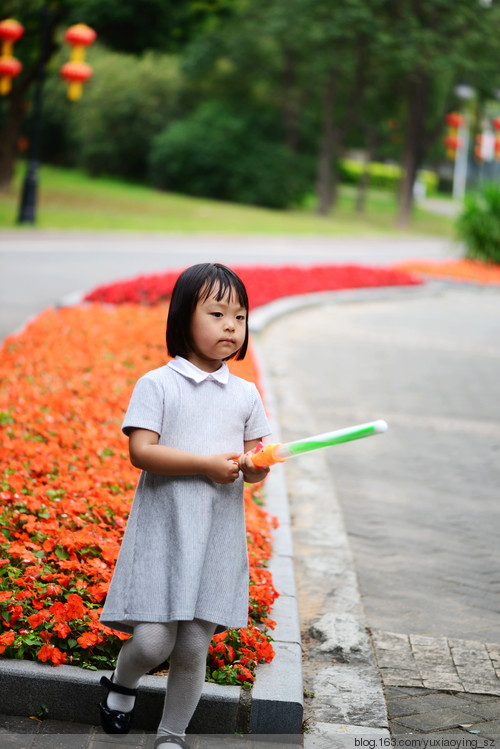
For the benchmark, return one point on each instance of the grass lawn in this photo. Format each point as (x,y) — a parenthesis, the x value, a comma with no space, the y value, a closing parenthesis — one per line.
(69,199)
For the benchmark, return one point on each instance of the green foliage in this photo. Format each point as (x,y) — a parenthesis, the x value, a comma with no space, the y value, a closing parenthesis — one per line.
(127,102)
(226,155)
(479,224)
(384,176)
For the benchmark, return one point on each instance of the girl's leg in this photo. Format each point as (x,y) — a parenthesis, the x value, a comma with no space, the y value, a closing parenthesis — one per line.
(150,645)
(186,675)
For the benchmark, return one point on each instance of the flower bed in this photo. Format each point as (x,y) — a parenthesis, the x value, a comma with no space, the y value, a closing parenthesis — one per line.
(472,271)
(264,284)
(67,486)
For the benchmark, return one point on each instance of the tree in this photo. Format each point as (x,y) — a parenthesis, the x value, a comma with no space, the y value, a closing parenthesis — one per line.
(440,45)
(125,25)
(309,58)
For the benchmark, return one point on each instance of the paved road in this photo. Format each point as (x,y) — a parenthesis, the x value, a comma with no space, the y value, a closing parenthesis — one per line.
(38,268)
(421,502)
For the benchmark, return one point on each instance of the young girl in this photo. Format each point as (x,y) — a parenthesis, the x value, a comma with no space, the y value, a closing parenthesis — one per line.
(182,571)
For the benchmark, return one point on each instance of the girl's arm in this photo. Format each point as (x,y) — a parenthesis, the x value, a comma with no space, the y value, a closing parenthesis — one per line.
(251,473)
(148,455)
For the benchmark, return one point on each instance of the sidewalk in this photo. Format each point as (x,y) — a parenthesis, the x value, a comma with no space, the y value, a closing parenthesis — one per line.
(428,362)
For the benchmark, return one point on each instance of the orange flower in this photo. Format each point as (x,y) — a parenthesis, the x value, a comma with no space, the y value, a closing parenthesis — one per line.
(36,619)
(61,629)
(474,271)
(5,640)
(51,653)
(68,485)
(75,607)
(87,640)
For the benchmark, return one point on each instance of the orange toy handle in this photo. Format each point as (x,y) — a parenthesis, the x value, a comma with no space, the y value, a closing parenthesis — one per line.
(267,456)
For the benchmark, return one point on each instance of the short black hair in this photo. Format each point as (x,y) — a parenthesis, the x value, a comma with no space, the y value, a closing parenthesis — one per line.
(195,283)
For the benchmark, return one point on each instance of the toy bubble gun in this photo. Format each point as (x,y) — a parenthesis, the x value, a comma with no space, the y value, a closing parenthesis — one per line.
(268,455)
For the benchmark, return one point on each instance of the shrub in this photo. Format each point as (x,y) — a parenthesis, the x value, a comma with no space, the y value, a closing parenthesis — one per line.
(479,224)
(126,103)
(226,155)
(385,176)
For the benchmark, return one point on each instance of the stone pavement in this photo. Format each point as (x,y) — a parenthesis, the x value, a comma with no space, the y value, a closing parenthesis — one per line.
(28,733)
(440,685)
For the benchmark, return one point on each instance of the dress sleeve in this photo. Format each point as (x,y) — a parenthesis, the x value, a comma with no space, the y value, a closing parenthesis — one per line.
(145,410)
(256,425)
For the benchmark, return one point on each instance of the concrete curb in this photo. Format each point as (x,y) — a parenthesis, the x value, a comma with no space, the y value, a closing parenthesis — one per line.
(263,316)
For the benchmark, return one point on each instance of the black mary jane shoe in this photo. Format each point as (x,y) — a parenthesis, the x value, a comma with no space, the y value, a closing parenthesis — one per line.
(175,740)
(114,721)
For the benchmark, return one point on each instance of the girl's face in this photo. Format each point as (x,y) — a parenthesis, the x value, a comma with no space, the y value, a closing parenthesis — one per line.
(217,331)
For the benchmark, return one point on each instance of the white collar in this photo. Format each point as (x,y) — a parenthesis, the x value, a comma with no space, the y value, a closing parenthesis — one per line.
(189,370)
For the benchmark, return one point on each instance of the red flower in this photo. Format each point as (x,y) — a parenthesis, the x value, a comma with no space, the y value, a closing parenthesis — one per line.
(51,653)
(61,629)
(36,619)
(5,640)
(75,607)
(87,640)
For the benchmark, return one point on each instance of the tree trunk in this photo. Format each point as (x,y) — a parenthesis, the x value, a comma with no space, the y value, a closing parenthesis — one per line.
(413,148)
(326,184)
(364,180)
(9,136)
(290,105)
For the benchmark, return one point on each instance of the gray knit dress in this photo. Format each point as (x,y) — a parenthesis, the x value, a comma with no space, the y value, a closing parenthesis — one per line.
(184,553)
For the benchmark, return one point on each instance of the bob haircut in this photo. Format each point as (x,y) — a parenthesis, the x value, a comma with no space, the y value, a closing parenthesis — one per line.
(194,284)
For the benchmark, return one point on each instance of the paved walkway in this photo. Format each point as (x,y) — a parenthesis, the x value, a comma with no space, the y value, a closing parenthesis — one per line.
(420,504)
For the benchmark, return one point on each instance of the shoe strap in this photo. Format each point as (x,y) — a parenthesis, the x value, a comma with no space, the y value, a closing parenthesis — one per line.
(117,687)
(176,740)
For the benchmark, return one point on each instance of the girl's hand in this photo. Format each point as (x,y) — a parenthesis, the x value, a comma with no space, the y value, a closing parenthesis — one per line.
(251,473)
(223,468)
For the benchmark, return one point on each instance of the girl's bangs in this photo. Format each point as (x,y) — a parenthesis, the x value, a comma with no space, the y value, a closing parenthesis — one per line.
(220,286)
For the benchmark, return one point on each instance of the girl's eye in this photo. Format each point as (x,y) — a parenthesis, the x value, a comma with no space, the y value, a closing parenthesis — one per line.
(217,314)
(240,317)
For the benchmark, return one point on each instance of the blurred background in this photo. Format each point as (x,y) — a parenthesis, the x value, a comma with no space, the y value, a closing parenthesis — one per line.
(292,105)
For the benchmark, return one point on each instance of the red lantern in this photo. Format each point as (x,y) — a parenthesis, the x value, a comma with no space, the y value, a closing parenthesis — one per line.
(496,124)
(77,72)
(10,32)
(452,142)
(80,35)
(455,120)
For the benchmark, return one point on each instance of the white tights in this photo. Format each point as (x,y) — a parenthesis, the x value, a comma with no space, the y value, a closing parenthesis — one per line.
(186,642)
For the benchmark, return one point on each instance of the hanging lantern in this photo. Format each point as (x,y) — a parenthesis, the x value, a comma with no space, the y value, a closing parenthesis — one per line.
(77,72)
(10,32)
(496,124)
(454,120)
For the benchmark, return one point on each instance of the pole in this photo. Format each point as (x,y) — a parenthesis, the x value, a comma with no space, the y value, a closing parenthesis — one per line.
(27,210)
(461,160)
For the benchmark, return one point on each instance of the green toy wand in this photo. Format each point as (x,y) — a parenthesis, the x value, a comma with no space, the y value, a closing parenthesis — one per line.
(268,455)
